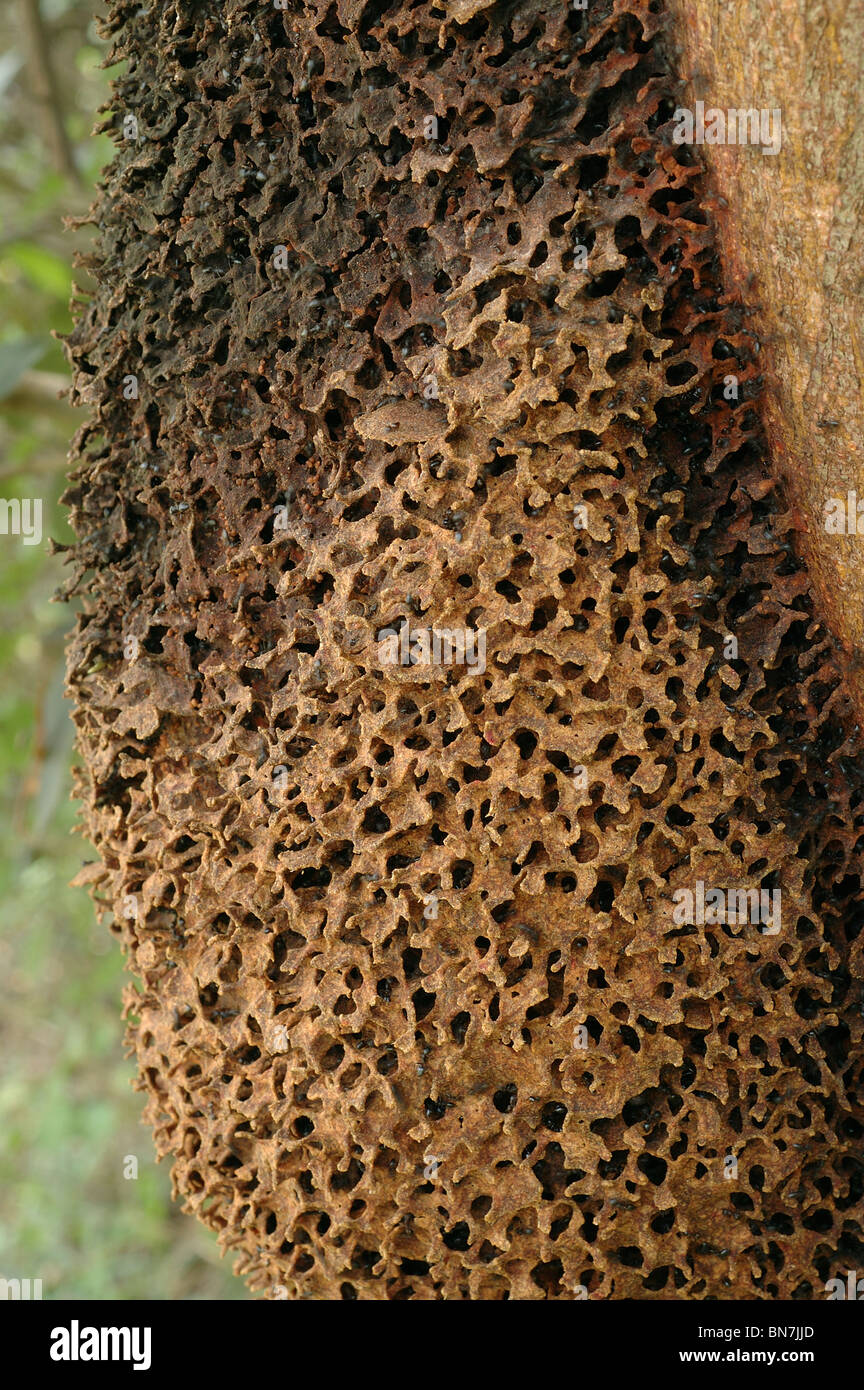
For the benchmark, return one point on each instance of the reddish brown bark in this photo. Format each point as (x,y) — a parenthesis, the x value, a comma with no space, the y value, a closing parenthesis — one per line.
(792,238)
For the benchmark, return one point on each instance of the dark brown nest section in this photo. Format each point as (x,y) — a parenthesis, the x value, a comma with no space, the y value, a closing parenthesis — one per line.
(416,1018)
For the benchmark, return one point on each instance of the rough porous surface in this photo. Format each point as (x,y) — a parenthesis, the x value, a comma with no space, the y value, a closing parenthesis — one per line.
(415,1018)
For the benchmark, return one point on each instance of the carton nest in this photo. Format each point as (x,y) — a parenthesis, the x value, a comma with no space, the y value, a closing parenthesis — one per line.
(425,317)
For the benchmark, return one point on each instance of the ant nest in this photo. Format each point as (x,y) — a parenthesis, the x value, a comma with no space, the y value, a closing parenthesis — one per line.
(424,1009)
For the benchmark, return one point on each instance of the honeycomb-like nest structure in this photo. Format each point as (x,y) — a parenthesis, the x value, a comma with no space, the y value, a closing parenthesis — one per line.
(417,1018)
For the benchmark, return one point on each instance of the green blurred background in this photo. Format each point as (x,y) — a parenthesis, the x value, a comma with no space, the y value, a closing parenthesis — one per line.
(68,1115)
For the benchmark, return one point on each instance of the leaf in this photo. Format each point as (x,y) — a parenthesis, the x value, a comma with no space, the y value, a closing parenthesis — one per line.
(16,357)
(45,270)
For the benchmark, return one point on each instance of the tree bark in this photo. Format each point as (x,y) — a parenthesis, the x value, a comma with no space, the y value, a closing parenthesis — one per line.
(793,242)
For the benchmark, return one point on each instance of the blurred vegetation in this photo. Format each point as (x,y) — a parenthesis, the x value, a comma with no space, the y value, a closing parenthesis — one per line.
(68,1115)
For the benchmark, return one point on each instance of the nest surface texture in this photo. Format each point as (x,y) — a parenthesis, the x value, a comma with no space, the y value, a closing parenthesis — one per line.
(410,319)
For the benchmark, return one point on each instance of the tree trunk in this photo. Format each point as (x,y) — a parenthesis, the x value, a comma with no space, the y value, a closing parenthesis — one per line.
(792,234)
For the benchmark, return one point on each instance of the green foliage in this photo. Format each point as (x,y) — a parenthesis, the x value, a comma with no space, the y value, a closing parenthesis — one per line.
(16,355)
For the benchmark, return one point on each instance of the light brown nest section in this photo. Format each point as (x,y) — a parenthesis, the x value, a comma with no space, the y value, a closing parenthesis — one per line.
(415,1019)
